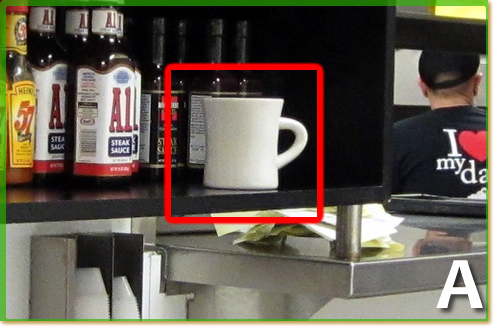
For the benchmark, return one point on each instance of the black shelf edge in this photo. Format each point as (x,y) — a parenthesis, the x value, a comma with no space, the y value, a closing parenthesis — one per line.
(38,205)
(356,196)
(197,200)
(428,32)
(214,201)
(442,207)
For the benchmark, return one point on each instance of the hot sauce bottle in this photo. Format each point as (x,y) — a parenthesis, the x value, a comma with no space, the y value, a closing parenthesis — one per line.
(20,101)
(152,124)
(49,67)
(3,116)
(210,83)
(104,122)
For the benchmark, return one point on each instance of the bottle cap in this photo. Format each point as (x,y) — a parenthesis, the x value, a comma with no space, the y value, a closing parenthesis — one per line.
(18,9)
(217,27)
(159,25)
(182,27)
(242,29)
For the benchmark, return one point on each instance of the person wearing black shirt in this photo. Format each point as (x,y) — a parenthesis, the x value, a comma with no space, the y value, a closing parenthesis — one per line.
(443,152)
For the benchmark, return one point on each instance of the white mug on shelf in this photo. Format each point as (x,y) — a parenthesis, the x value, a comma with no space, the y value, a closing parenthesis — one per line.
(242,142)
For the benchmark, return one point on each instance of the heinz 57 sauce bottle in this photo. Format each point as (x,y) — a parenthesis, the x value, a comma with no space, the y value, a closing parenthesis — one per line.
(215,83)
(49,67)
(104,106)
(3,137)
(21,100)
(152,133)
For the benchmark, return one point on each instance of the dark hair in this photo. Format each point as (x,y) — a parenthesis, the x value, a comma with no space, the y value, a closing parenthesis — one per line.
(432,64)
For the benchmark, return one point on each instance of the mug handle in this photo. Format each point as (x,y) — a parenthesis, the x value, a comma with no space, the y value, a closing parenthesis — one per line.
(298,145)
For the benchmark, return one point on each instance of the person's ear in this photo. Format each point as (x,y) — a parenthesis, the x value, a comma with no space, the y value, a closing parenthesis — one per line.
(476,79)
(423,87)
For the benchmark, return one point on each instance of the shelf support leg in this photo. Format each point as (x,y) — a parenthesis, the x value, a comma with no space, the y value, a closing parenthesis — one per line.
(348,239)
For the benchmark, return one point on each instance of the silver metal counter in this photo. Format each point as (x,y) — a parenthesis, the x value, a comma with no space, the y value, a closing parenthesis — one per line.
(307,265)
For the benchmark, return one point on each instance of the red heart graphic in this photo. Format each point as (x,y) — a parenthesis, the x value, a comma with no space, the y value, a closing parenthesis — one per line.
(474,144)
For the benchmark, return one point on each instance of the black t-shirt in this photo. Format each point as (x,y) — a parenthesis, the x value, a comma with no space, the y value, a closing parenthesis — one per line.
(442,152)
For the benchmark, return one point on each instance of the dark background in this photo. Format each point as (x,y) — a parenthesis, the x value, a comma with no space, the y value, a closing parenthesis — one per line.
(355,47)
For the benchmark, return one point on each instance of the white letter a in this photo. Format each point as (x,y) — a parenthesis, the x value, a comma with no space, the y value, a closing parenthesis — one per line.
(469,289)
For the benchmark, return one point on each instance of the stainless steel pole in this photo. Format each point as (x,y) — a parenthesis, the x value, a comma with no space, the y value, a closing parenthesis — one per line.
(348,239)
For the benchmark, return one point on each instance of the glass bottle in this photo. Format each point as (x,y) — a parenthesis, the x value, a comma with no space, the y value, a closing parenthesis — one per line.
(209,83)
(21,99)
(152,124)
(179,99)
(103,111)
(249,85)
(123,32)
(49,66)
(76,27)
(75,41)
(3,134)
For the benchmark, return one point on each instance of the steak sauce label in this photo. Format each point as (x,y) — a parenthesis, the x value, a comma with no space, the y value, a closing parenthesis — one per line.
(105,122)
(152,137)
(50,118)
(42,19)
(104,22)
(77,22)
(196,146)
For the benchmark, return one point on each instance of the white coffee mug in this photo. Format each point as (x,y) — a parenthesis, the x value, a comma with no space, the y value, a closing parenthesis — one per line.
(242,142)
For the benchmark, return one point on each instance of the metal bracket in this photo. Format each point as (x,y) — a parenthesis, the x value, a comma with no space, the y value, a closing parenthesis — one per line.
(145,226)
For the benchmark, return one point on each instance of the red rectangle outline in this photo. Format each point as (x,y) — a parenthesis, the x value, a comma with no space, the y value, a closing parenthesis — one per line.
(320,141)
